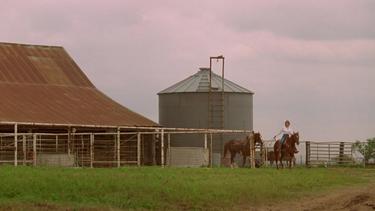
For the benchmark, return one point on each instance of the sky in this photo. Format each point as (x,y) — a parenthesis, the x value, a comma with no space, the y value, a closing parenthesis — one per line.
(310,61)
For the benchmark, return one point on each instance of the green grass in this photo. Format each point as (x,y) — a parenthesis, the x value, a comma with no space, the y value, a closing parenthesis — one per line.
(175,188)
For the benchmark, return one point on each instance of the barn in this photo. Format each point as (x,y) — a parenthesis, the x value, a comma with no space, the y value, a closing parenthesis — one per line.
(50,113)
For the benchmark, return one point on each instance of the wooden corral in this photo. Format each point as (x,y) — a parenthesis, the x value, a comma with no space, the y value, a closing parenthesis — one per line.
(102,147)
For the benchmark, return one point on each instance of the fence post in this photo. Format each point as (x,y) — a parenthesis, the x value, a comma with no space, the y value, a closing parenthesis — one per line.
(266,156)
(211,151)
(15,144)
(153,146)
(162,147)
(307,154)
(34,149)
(118,148)
(169,149)
(206,148)
(91,150)
(252,154)
(138,149)
(24,149)
(57,143)
(341,153)
(250,162)
(329,155)
(205,141)
(69,139)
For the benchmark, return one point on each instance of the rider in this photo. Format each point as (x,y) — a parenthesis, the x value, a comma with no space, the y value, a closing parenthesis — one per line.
(286,131)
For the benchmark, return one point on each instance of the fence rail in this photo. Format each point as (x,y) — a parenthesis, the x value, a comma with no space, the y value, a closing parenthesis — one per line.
(112,149)
(116,149)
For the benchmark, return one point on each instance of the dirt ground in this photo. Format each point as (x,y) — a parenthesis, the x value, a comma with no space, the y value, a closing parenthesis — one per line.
(351,199)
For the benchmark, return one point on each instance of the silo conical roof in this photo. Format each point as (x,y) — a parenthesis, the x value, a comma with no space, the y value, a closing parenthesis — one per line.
(199,82)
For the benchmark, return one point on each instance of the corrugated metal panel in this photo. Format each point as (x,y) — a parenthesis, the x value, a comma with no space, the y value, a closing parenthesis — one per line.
(43,84)
(39,65)
(199,82)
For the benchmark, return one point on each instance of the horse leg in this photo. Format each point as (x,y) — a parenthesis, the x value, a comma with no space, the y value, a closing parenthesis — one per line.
(277,159)
(243,160)
(232,155)
(277,163)
(290,163)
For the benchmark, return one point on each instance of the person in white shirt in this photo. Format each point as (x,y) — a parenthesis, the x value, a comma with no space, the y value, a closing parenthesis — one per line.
(286,131)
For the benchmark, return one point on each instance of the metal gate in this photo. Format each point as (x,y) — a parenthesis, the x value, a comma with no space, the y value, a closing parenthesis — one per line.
(329,153)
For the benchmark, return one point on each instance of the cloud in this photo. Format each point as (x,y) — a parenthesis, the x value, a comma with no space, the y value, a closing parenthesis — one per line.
(316,20)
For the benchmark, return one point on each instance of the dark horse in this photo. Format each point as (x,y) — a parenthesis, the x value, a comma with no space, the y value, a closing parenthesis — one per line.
(287,151)
(242,146)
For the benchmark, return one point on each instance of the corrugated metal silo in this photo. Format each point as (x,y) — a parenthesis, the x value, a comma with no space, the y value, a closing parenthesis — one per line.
(186,104)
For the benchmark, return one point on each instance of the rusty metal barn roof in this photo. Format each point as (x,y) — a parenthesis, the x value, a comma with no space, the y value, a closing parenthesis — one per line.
(43,84)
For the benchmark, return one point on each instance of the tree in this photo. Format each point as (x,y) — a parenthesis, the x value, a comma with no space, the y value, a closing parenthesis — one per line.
(367,149)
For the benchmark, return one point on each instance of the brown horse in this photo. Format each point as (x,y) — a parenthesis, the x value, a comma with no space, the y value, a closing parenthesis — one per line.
(242,147)
(287,151)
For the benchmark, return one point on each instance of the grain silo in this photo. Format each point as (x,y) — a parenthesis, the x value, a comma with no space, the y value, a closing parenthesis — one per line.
(190,103)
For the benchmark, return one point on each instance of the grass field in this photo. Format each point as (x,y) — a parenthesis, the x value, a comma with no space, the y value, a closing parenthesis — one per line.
(169,188)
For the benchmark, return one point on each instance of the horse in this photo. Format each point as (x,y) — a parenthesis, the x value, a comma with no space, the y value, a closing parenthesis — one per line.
(242,147)
(271,158)
(287,151)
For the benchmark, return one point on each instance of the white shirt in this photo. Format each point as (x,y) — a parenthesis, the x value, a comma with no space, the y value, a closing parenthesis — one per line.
(286,130)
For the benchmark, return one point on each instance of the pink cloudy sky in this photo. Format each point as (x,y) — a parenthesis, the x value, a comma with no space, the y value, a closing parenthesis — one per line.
(312,61)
